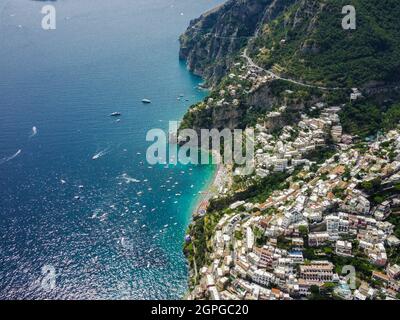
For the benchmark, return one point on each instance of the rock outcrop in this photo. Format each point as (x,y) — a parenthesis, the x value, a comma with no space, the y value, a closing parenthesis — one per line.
(212,41)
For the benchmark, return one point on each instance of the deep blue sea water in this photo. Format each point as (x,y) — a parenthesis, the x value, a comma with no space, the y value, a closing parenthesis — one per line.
(107,236)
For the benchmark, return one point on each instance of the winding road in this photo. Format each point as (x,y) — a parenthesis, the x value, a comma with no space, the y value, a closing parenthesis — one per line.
(252,64)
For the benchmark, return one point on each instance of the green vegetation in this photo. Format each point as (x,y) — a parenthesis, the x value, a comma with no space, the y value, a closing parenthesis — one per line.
(339,193)
(394,254)
(321,154)
(363,266)
(259,237)
(362,119)
(201,231)
(366,117)
(284,243)
(378,193)
(391,117)
(319,50)
(238,235)
(303,230)
(256,191)
(395,220)
(371,186)
(325,292)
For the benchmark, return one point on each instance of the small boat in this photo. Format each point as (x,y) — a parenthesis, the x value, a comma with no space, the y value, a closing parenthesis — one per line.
(146,101)
(100,154)
(115,114)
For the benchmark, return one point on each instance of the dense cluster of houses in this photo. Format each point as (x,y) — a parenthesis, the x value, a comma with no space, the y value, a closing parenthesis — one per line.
(261,250)
(289,150)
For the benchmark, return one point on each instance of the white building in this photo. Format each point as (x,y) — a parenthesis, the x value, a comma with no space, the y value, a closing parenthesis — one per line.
(317,239)
(332,225)
(317,272)
(343,248)
(262,277)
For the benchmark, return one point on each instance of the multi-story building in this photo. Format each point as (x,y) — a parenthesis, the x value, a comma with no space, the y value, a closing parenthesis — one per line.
(332,225)
(266,255)
(317,272)
(336,133)
(262,277)
(317,239)
(296,257)
(291,217)
(343,248)
(377,255)
(393,271)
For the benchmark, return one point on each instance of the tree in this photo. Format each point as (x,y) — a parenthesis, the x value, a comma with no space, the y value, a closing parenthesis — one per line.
(314,290)
(303,231)
(392,117)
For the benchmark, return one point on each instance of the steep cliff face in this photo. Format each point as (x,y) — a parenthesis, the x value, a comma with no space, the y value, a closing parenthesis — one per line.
(218,117)
(211,42)
(252,106)
(300,40)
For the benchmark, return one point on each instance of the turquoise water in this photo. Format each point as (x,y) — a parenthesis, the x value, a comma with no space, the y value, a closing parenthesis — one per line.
(106,235)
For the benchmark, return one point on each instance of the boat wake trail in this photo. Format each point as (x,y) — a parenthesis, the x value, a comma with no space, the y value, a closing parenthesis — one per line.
(34,132)
(101,154)
(6,159)
(128,179)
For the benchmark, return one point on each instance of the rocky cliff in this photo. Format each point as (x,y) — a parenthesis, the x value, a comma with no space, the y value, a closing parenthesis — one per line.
(211,42)
(299,40)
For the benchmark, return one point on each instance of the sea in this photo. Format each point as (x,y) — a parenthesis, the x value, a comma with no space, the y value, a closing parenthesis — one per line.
(83,215)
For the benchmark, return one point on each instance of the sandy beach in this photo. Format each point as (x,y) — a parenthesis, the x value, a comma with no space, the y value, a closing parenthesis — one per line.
(213,189)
